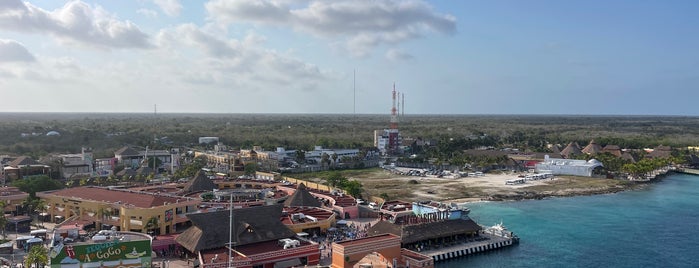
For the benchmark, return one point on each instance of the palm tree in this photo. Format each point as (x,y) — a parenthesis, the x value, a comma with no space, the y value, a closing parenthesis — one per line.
(37,255)
(152,223)
(334,157)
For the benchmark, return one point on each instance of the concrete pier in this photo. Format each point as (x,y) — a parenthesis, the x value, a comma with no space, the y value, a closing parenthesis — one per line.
(689,171)
(463,249)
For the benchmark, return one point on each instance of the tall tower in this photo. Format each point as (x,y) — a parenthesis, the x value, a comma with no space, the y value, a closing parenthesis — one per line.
(393,134)
(394,110)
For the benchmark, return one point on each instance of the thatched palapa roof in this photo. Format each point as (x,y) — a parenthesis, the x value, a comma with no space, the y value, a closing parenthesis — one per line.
(200,183)
(126,151)
(592,148)
(251,225)
(302,198)
(424,231)
(572,149)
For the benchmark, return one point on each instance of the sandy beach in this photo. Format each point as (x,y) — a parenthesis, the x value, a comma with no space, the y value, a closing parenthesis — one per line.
(489,186)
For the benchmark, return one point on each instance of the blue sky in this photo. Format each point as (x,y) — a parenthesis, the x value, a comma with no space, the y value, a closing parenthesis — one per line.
(298,56)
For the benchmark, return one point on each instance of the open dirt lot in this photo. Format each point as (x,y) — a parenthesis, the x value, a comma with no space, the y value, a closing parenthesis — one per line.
(490,186)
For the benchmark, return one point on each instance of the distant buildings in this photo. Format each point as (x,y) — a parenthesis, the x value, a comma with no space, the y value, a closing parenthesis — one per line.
(24,167)
(388,141)
(131,158)
(208,140)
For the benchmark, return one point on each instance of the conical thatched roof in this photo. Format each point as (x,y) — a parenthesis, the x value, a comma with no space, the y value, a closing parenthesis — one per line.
(302,198)
(251,225)
(126,150)
(572,149)
(200,183)
(556,149)
(612,149)
(23,161)
(423,231)
(592,148)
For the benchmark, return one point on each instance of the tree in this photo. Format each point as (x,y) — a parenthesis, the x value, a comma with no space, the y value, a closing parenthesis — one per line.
(324,159)
(353,188)
(38,256)
(250,168)
(300,156)
(34,205)
(336,179)
(154,162)
(37,184)
(334,157)
(152,224)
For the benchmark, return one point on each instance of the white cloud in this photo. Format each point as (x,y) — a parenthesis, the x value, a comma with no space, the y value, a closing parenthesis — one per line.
(230,61)
(148,13)
(13,51)
(75,22)
(398,55)
(171,7)
(364,25)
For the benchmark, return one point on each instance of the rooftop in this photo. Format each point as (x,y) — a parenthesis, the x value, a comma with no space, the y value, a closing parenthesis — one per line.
(125,197)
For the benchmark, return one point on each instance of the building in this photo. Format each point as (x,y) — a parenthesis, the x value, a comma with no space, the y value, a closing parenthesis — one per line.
(13,199)
(129,157)
(377,251)
(207,140)
(318,151)
(77,165)
(592,148)
(387,141)
(24,167)
(303,213)
(258,239)
(559,166)
(125,209)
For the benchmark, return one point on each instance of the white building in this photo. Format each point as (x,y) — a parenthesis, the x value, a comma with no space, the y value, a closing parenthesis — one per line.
(318,152)
(560,166)
(387,140)
(208,140)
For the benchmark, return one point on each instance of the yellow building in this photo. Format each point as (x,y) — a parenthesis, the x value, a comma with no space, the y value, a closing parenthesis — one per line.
(128,210)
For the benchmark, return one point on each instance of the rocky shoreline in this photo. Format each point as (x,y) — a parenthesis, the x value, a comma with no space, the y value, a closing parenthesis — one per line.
(537,195)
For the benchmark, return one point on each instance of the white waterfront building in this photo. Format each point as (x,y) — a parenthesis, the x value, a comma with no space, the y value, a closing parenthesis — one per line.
(560,166)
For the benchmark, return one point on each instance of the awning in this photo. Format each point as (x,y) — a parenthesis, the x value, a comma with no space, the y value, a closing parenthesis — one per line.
(288,263)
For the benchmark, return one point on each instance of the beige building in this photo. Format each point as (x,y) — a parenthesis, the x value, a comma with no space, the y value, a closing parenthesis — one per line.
(127,210)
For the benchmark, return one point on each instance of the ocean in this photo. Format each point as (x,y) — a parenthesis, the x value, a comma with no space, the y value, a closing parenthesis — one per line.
(654,227)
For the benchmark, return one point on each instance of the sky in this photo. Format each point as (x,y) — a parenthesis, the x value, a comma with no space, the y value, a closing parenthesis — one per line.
(636,57)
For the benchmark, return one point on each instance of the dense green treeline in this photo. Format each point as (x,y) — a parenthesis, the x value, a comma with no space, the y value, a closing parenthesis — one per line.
(108,132)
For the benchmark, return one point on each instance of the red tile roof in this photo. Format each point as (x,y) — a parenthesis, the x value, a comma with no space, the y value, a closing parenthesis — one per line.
(141,200)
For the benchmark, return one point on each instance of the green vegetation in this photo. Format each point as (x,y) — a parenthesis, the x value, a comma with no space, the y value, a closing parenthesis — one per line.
(38,256)
(37,184)
(105,133)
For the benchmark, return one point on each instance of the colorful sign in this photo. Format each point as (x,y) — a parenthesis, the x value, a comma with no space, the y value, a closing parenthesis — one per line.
(109,253)
(168,215)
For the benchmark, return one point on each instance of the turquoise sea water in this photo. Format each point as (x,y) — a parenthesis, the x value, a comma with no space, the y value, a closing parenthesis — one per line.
(653,227)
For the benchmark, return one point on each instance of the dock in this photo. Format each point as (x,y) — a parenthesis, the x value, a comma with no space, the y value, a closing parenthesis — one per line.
(490,242)
(689,171)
